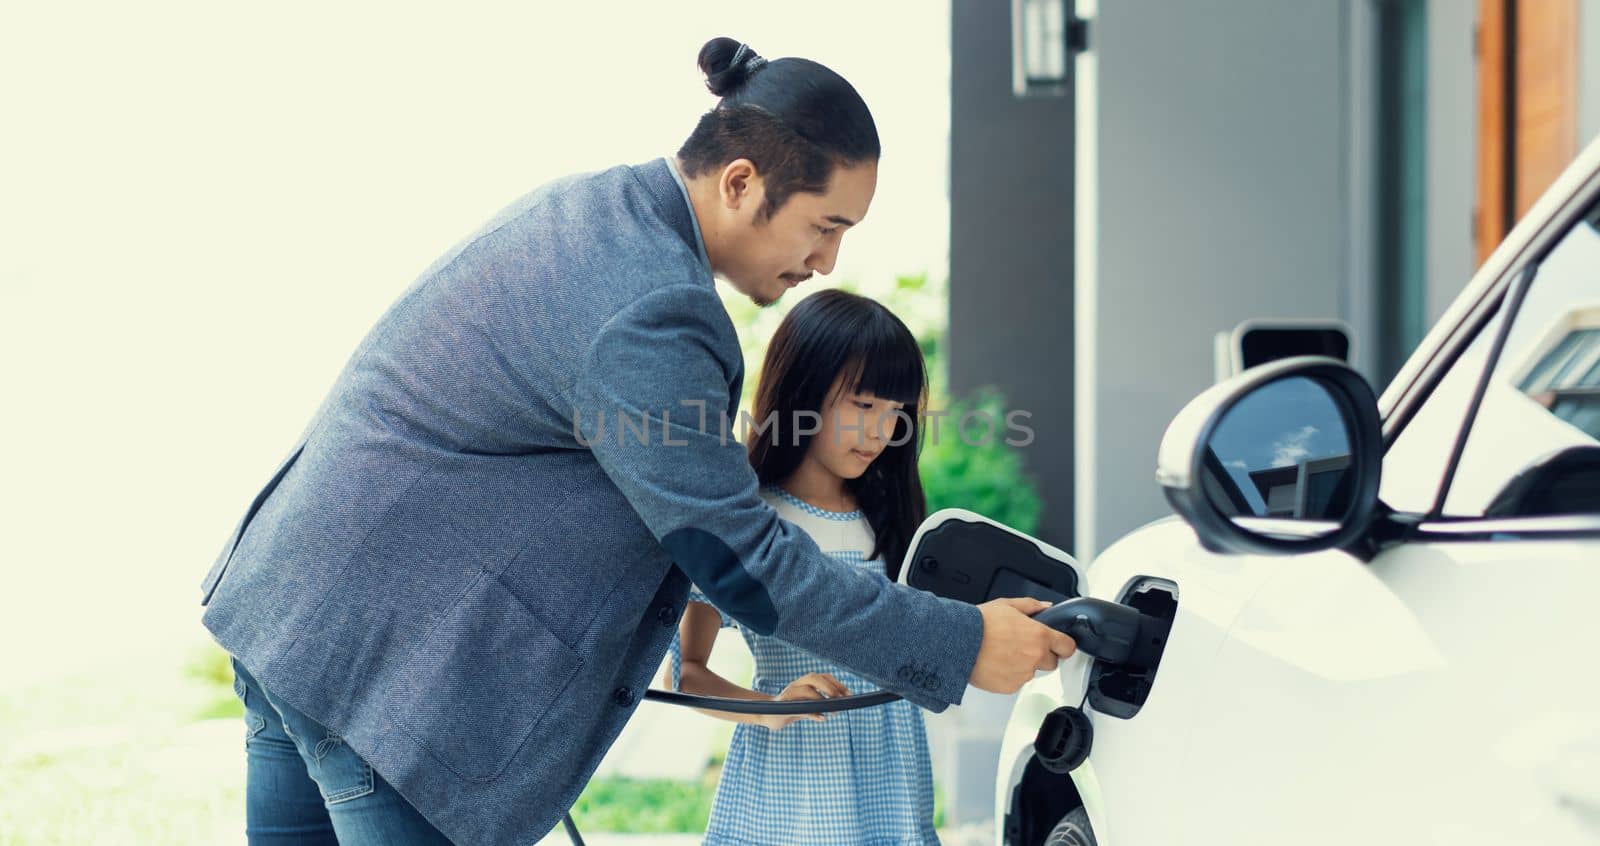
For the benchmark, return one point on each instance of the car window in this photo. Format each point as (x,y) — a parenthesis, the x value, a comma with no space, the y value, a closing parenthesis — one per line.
(1539,426)
(1413,467)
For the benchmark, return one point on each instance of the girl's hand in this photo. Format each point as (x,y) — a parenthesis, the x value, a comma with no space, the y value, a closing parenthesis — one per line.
(809,686)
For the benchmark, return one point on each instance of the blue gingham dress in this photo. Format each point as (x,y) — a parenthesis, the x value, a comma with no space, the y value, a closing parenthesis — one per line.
(859,778)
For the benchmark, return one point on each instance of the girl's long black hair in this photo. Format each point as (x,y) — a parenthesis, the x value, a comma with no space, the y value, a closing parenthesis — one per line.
(834,333)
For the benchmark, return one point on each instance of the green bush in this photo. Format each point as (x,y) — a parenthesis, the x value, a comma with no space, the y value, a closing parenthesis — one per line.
(209,665)
(985,475)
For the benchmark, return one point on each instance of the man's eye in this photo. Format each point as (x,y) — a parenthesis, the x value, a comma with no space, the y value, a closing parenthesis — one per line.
(827,230)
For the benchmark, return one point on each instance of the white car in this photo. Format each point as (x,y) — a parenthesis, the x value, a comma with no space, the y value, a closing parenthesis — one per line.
(1384,614)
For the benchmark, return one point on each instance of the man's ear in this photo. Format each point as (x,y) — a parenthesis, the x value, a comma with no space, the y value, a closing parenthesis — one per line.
(741,184)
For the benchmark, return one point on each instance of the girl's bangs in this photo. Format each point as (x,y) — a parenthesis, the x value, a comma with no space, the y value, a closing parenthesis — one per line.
(884,360)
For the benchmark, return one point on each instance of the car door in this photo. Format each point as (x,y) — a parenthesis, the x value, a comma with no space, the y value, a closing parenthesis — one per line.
(1440,692)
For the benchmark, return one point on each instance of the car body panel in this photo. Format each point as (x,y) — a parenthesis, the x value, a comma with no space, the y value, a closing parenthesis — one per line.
(1136,751)
(1402,686)
(1406,688)
(1438,693)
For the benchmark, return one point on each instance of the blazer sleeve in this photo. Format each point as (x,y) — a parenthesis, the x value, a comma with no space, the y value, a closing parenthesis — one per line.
(650,402)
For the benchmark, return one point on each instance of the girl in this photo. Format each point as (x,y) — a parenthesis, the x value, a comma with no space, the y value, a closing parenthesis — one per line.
(853,777)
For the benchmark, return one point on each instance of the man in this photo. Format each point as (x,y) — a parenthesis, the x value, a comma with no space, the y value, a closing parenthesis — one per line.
(449,599)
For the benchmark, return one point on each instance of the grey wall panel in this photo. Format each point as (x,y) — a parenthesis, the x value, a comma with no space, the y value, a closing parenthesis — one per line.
(1222,195)
(1361,168)
(1011,196)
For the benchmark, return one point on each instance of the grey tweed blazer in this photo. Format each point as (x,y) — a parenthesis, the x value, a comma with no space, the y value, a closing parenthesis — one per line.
(473,591)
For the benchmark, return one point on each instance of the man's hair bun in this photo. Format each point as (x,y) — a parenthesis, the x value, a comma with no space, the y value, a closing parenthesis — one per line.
(727,64)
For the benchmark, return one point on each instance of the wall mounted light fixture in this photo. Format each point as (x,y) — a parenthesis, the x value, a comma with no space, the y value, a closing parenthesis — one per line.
(1045,35)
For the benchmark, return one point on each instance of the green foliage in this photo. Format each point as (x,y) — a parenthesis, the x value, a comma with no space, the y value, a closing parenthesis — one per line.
(210,663)
(210,666)
(643,806)
(979,472)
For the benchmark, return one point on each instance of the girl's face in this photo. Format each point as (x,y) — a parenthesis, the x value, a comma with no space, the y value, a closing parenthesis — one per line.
(855,429)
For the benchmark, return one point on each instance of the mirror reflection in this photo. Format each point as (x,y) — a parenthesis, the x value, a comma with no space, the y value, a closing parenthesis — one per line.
(1283,452)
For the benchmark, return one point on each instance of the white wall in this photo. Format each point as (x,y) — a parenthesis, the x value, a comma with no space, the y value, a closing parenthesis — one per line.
(1219,148)
(1452,130)
(1588,71)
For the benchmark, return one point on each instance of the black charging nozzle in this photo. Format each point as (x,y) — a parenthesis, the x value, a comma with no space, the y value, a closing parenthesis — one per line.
(1111,632)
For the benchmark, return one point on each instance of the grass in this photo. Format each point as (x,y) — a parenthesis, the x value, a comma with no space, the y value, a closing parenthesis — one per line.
(119,756)
(152,752)
(644,806)
(638,806)
(144,752)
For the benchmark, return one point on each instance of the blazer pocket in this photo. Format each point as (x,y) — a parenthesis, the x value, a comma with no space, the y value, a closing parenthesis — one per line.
(477,685)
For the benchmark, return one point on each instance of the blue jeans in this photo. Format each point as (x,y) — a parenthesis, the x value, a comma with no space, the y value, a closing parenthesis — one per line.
(304,785)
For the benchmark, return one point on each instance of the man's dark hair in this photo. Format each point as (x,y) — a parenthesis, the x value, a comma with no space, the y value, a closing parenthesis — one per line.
(795,119)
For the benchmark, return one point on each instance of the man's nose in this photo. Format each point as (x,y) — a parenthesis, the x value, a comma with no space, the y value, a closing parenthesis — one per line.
(823,258)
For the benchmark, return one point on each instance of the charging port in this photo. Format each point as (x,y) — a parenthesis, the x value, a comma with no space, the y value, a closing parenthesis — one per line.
(1120,691)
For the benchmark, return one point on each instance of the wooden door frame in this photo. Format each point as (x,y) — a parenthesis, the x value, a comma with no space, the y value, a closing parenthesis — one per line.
(1527,108)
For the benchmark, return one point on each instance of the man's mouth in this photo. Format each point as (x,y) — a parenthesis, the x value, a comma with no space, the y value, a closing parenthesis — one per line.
(794,279)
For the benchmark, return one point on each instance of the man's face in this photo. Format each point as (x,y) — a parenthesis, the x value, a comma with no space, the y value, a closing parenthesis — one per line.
(763,257)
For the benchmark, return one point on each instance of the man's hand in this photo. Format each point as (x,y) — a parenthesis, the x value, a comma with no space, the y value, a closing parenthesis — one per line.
(1014,646)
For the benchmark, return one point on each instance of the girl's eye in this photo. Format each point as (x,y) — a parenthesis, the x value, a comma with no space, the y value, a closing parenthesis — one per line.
(864,406)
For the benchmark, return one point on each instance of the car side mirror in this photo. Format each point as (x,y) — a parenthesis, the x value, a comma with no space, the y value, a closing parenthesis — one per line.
(1281,459)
